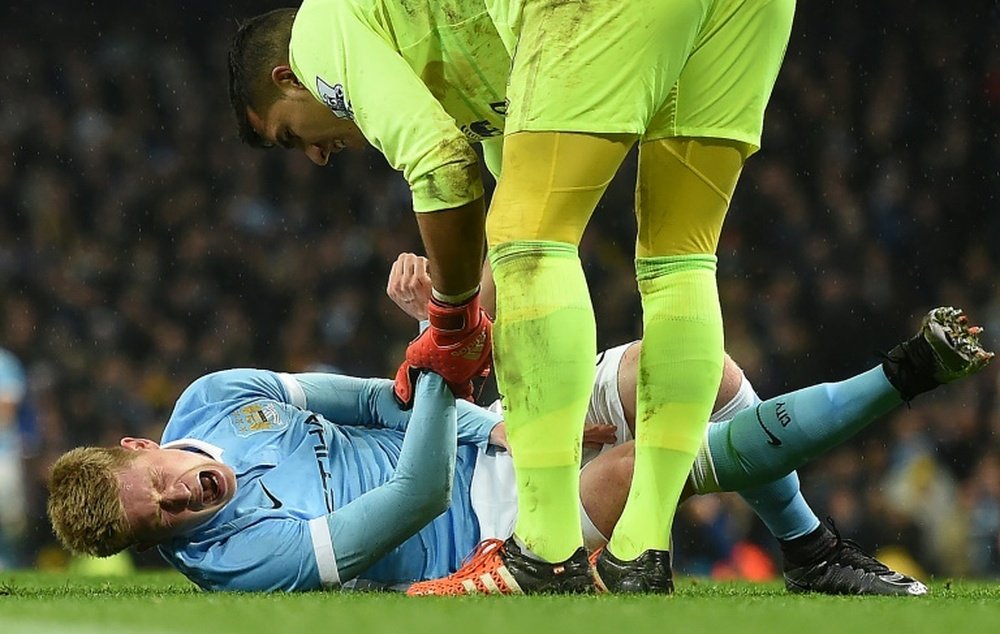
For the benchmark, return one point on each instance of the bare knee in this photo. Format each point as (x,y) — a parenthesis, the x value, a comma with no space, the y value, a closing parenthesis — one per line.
(732,378)
(624,468)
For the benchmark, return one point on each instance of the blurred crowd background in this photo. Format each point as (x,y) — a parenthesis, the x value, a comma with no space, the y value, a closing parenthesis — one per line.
(141,246)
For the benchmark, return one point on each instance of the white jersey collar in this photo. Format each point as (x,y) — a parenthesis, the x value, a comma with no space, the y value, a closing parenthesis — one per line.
(215,453)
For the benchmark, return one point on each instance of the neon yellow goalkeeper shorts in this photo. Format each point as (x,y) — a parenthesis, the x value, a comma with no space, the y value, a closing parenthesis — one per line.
(656,68)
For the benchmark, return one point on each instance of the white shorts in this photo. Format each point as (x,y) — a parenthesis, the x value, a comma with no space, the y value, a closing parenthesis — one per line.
(494,488)
(605,402)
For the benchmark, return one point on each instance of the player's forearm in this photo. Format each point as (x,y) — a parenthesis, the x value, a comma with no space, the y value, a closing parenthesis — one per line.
(348,400)
(475,424)
(455,242)
(420,490)
(427,457)
(358,402)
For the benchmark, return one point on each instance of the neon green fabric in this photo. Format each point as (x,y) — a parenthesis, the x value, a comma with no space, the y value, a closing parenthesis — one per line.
(680,367)
(544,346)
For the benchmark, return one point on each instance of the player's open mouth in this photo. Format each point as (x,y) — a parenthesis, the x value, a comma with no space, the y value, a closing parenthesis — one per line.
(213,487)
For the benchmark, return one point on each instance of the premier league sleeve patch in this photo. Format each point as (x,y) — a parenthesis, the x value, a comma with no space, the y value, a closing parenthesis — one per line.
(334,98)
(257,417)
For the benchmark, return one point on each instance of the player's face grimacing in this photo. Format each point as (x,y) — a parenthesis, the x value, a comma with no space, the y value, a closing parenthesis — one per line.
(295,120)
(165,491)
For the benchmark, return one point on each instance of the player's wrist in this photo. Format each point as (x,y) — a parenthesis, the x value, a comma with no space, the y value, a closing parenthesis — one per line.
(452,319)
(459,299)
(498,436)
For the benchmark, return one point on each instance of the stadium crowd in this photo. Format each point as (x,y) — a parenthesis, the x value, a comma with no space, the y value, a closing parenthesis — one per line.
(141,246)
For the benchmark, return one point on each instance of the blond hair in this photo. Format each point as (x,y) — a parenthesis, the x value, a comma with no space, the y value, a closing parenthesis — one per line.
(84,500)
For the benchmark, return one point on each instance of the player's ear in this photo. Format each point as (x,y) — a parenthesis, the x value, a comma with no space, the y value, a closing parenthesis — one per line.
(137,444)
(284,77)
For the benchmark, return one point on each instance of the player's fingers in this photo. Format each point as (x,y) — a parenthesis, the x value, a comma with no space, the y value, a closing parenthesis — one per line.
(403,261)
(599,434)
(422,283)
(410,286)
(419,281)
(422,267)
(411,270)
(395,278)
(402,266)
(417,264)
(400,292)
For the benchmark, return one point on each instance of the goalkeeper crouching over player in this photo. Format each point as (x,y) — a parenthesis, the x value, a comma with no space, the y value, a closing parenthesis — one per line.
(272,481)
(568,88)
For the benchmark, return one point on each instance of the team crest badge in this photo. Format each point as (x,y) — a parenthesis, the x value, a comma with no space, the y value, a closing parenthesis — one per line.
(255,418)
(334,98)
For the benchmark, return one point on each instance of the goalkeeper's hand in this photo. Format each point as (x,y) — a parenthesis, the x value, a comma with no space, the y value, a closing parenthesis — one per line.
(458,346)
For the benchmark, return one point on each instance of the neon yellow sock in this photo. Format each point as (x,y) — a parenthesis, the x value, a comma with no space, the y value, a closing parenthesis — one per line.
(544,344)
(680,367)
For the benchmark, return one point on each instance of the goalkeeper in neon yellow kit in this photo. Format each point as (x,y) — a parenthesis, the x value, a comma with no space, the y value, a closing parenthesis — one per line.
(688,80)
(419,80)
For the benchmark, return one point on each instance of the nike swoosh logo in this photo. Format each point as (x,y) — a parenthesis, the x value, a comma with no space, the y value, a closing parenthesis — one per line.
(772,440)
(275,501)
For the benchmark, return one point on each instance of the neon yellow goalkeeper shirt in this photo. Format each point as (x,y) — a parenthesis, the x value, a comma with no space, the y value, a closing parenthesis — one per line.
(422,79)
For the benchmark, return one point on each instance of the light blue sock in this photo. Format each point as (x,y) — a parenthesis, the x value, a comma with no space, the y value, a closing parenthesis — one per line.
(780,505)
(767,442)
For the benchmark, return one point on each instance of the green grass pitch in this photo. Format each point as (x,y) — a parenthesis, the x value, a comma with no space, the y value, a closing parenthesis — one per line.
(44,603)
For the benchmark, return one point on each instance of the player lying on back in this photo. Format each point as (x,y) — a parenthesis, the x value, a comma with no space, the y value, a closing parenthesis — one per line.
(271,481)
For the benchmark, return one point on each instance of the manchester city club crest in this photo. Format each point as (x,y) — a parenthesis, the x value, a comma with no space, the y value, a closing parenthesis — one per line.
(257,417)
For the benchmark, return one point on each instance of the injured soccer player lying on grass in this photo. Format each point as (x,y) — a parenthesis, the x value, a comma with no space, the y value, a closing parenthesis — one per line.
(273,481)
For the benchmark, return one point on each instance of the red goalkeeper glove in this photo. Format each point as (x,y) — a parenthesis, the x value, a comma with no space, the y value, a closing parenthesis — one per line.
(458,346)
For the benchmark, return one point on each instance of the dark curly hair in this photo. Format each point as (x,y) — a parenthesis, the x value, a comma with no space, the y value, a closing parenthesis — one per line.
(260,44)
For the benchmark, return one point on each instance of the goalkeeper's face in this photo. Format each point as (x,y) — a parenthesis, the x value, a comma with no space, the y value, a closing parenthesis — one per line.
(296,121)
(165,491)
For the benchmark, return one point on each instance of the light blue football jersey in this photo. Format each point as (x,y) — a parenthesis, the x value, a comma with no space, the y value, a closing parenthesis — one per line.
(304,446)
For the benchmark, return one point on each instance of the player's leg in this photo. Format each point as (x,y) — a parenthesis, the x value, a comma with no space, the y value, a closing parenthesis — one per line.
(783,433)
(584,84)
(591,74)
(745,452)
(819,561)
(544,346)
(690,158)
(545,339)
(683,194)
(779,504)
(576,106)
